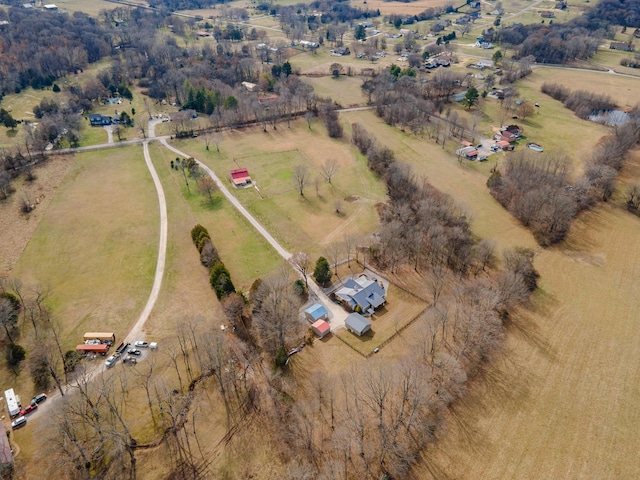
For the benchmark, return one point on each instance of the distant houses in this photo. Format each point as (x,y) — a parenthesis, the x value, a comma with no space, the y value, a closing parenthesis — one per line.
(547,14)
(240,177)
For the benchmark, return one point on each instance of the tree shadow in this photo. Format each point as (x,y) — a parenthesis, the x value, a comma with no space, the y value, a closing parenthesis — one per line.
(216,203)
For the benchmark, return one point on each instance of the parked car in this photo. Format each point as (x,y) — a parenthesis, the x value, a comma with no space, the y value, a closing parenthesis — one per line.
(28,409)
(111,361)
(140,344)
(134,352)
(41,397)
(18,422)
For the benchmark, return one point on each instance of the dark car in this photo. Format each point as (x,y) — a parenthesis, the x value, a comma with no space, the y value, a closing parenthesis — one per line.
(28,409)
(135,352)
(41,397)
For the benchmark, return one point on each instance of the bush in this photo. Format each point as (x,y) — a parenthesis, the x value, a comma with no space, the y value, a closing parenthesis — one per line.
(202,239)
(281,357)
(15,354)
(71,359)
(196,231)
(220,280)
(13,300)
(300,289)
(322,272)
(208,254)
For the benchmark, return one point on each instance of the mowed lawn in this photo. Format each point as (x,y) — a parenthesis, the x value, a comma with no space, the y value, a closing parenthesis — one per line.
(310,222)
(96,247)
(400,310)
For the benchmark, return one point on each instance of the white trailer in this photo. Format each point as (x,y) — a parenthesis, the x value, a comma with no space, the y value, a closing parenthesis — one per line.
(13,402)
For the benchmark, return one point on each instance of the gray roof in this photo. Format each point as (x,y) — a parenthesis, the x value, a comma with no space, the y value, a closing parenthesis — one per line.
(362,292)
(357,323)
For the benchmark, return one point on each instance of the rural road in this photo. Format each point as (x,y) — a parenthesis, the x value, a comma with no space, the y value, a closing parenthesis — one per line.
(136,330)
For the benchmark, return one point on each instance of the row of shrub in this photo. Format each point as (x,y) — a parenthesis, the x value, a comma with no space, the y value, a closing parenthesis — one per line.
(219,276)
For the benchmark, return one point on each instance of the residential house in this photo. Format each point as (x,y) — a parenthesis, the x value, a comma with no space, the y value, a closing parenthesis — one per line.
(320,328)
(624,46)
(485,63)
(547,14)
(463,20)
(51,7)
(251,87)
(240,177)
(514,129)
(561,5)
(113,101)
(98,120)
(316,312)
(357,324)
(361,295)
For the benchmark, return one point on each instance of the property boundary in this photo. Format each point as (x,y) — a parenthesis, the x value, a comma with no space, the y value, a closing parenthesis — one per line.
(398,331)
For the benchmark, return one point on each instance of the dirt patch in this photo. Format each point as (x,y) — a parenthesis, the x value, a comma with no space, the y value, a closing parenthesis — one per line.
(16,228)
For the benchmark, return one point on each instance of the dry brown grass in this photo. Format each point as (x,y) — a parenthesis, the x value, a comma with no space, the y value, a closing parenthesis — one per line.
(16,228)
(400,310)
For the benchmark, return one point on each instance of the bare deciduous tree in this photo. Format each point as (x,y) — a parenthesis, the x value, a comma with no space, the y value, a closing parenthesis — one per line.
(328,169)
(301,178)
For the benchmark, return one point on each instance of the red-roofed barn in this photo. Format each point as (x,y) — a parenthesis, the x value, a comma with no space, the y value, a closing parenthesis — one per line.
(240,177)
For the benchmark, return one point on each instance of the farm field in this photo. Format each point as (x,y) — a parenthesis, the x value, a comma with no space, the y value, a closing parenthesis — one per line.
(96,258)
(308,223)
(569,357)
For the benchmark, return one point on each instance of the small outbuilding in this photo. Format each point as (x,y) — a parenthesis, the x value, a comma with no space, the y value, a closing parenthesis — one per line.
(240,177)
(320,328)
(357,324)
(316,312)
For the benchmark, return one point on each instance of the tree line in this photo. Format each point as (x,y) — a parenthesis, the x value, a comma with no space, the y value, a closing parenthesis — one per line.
(537,188)
(41,46)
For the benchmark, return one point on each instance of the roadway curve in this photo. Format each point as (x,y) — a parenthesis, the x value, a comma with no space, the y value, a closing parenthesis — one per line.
(136,330)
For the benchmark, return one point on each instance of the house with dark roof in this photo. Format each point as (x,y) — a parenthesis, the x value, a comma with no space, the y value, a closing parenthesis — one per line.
(361,295)
(357,324)
(240,177)
(98,120)
(624,46)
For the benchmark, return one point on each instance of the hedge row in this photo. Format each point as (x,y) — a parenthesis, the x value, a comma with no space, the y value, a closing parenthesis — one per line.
(219,276)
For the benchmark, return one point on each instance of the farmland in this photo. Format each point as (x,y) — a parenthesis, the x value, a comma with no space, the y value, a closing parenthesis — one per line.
(559,400)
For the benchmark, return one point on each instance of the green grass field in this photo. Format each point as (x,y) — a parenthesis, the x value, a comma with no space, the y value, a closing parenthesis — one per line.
(96,245)
(245,253)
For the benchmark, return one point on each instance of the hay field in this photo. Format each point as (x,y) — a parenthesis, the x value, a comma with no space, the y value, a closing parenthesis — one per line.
(93,245)
(306,223)
(623,89)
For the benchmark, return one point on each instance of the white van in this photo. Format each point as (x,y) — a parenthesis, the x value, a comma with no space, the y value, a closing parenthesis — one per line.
(19,422)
